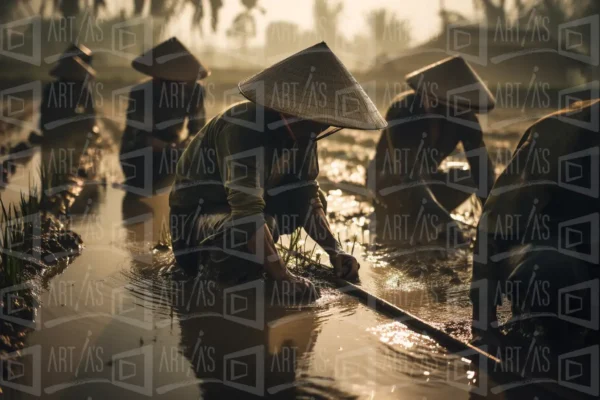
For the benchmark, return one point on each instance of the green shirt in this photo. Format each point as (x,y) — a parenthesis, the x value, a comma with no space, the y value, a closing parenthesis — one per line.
(243,158)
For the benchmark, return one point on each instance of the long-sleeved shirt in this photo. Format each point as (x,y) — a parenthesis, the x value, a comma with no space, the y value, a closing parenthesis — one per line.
(546,199)
(66,103)
(160,108)
(242,157)
(417,141)
(551,179)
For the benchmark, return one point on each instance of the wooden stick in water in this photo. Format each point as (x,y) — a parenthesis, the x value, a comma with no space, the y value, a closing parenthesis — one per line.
(410,320)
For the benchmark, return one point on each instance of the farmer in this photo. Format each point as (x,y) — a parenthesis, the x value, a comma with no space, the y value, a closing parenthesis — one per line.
(158,110)
(68,102)
(425,126)
(250,175)
(538,235)
(79,50)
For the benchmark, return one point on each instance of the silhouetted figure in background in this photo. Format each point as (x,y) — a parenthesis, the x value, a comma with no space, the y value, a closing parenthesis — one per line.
(158,110)
(426,125)
(245,181)
(68,102)
(538,242)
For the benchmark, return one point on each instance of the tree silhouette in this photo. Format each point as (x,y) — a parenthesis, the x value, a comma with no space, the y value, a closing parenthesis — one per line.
(198,16)
(389,33)
(326,20)
(494,12)
(68,8)
(138,7)
(243,26)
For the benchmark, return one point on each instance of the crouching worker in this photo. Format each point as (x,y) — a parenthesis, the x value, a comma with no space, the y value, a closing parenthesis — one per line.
(426,124)
(537,244)
(158,110)
(251,174)
(68,103)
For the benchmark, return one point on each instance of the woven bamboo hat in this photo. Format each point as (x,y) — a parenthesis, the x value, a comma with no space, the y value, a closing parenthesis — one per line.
(78,50)
(457,85)
(73,69)
(172,61)
(313,84)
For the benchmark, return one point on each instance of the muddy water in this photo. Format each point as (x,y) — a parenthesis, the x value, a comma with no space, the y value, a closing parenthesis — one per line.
(120,321)
(430,282)
(113,325)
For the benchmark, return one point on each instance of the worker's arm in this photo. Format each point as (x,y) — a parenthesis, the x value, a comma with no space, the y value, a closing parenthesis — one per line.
(239,157)
(482,168)
(317,227)
(262,242)
(196,110)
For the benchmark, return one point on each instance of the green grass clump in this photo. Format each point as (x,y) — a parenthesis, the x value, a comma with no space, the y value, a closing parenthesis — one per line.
(20,222)
(297,251)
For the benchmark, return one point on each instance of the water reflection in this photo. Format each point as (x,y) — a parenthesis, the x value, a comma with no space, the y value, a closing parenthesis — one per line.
(334,348)
(245,341)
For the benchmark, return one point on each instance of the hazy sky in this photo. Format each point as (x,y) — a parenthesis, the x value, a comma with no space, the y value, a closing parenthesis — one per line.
(422,14)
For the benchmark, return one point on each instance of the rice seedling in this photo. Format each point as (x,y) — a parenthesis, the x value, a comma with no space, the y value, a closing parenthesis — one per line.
(298,251)
(164,238)
(21,225)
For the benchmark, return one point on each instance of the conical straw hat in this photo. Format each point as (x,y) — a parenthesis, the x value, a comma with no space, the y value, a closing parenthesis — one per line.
(455,83)
(170,60)
(314,84)
(78,50)
(74,69)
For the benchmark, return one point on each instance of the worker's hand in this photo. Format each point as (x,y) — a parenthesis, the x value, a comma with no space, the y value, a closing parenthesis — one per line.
(345,265)
(296,289)
(301,285)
